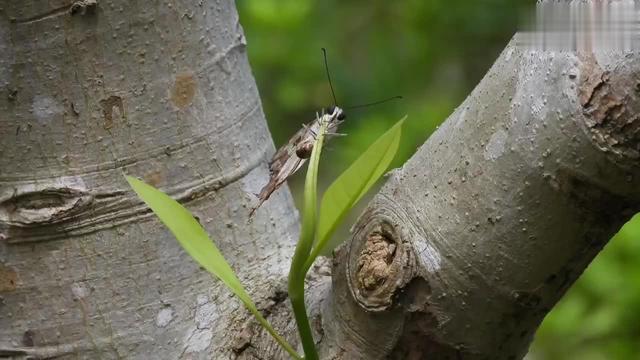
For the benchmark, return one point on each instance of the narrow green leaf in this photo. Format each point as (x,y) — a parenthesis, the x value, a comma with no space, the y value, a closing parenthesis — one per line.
(309,209)
(351,186)
(197,244)
(303,248)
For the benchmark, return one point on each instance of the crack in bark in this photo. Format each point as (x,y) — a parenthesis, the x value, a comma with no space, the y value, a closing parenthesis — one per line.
(81,6)
(89,213)
(244,338)
(419,338)
(46,15)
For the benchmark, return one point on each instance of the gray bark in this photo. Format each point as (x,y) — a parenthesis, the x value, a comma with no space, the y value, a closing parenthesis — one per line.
(460,255)
(163,91)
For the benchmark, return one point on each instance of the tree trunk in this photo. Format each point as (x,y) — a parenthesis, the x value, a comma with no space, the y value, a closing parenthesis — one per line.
(460,255)
(92,91)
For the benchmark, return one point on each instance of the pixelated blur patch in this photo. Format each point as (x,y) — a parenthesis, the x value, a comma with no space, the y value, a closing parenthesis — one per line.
(583,27)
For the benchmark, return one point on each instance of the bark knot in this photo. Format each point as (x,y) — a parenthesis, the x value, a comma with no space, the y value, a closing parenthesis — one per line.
(379,264)
(374,261)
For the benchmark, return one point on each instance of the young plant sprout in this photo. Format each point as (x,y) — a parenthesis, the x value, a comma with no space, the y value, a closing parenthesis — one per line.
(317,228)
(318,225)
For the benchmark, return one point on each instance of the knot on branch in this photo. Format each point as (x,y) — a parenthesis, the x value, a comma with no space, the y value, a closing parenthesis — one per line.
(374,262)
(379,262)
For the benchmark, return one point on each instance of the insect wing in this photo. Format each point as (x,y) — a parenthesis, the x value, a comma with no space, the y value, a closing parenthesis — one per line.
(284,163)
(286,151)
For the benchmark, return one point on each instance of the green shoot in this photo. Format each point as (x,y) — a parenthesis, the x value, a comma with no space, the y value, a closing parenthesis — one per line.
(315,234)
(305,243)
(351,186)
(197,244)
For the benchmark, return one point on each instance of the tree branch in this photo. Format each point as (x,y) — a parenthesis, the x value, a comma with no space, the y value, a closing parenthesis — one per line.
(482,231)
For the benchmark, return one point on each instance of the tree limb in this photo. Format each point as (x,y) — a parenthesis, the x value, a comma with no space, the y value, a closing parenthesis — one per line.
(481,232)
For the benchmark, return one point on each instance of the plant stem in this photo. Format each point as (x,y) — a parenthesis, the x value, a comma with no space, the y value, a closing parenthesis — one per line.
(303,247)
(302,321)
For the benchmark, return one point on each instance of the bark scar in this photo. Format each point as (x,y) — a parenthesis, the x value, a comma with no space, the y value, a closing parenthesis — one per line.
(183,90)
(8,279)
(107,109)
(244,339)
(83,7)
(610,105)
(42,206)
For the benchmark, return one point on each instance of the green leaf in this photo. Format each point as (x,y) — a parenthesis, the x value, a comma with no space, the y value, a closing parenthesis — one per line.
(351,186)
(197,244)
(309,209)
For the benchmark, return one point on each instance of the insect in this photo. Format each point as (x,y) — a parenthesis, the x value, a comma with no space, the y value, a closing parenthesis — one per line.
(291,156)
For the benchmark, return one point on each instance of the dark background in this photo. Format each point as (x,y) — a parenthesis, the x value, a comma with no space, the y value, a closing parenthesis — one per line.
(432,52)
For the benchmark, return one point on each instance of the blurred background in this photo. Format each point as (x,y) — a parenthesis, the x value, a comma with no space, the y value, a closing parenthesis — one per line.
(433,53)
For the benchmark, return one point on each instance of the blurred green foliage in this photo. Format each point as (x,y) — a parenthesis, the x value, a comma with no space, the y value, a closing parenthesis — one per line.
(432,52)
(599,317)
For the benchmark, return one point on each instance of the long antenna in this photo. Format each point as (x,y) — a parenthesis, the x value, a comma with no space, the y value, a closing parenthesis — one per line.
(326,67)
(374,103)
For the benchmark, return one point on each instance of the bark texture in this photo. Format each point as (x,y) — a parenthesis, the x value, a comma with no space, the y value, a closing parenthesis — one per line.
(470,244)
(460,255)
(91,90)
